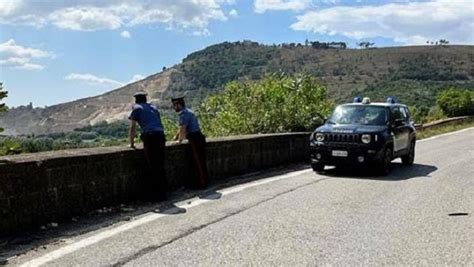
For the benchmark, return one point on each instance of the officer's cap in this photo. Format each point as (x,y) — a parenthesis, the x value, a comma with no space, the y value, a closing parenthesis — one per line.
(141,93)
(178,98)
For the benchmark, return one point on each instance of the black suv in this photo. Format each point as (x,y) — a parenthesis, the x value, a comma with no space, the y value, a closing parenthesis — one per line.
(362,133)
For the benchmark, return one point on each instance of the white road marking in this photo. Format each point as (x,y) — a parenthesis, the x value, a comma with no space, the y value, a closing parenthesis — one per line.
(54,255)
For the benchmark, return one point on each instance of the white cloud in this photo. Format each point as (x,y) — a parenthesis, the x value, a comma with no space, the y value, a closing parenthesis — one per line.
(233,13)
(93,15)
(20,63)
(136,78)
(8,6)
(29,66)
(409,23)
(92,79)
(261,6)
(204,32)
(85,19)
(10,48)
(19,57)
(125,34)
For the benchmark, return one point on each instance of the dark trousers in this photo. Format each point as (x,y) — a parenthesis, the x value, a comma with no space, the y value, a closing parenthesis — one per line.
(197,144)
(154,183)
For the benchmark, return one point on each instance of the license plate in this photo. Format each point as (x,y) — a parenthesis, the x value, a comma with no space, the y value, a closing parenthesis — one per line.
(339,153)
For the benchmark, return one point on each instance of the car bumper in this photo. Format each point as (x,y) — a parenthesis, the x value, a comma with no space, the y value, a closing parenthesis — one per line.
(355,154)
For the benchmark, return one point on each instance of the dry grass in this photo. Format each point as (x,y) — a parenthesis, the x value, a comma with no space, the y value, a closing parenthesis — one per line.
(451,127)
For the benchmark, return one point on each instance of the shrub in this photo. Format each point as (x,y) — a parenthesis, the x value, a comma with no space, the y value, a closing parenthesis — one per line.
(456,102)
(278,103)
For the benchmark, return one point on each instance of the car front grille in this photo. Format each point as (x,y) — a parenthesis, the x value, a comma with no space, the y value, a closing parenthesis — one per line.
(342,138)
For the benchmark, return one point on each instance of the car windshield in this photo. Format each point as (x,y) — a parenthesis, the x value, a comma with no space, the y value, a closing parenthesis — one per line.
(360,114)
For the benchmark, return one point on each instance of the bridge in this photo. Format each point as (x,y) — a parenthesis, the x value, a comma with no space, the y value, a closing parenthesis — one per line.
(418,215)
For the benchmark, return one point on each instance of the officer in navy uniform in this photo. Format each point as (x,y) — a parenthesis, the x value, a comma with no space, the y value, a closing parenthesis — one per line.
(153,137)
(189,129)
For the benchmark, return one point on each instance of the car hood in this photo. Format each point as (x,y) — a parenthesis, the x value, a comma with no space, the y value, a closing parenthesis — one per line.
(329,128)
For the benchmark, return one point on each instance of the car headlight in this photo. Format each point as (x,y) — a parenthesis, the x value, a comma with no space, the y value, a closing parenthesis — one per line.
(319,137)
(365,138)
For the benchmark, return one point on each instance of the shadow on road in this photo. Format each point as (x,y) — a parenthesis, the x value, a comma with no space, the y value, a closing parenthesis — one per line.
(399,172)
(170,209)
(210,195)
(107,216)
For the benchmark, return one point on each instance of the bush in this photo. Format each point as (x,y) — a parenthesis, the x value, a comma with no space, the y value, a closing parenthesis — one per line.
(278,103)
(456,102)
(9,146)
(435,114)
(418,114)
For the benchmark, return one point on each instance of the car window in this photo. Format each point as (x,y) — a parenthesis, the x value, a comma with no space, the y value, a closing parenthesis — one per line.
(396,114)
(403,113)
(407,113)
(364,115)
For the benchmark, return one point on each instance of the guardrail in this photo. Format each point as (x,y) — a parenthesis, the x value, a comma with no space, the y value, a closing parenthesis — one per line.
(434,124)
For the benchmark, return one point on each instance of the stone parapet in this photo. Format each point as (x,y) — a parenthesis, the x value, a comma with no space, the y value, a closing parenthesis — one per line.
(38,188)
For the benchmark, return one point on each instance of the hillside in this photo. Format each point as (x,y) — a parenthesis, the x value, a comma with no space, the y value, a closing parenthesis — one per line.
(413,74)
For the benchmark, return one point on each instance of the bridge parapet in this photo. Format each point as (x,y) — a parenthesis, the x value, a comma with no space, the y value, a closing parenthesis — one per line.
(38,188)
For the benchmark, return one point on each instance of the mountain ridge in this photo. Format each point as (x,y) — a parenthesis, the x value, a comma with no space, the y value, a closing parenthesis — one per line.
(344,72)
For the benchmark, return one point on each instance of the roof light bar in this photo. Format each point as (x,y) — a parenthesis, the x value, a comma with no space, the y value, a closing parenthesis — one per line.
(391,100)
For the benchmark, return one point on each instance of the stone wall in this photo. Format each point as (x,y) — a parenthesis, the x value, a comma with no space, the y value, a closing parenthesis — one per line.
(53,186)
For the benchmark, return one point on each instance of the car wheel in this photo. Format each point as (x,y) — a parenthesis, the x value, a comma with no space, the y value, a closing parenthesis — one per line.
(317,167)
(409,158)
(386,161)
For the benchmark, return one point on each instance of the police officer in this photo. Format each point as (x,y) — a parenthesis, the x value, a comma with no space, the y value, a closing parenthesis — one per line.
(153,137)
(189,129)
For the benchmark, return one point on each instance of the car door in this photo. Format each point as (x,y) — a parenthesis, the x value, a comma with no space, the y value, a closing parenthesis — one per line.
(405,131)
(399,129)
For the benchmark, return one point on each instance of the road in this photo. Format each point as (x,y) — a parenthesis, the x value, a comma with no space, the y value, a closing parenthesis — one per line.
(418,215)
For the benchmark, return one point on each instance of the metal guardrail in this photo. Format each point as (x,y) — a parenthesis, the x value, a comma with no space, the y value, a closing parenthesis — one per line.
(434,124)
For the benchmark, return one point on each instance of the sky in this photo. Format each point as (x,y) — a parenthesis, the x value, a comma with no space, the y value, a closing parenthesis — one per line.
(54,51)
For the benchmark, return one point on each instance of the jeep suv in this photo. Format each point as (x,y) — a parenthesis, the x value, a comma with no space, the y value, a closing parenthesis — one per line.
(364,133)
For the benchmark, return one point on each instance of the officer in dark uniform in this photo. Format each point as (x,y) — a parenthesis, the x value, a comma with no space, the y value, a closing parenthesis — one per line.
(189,129)
(153,137)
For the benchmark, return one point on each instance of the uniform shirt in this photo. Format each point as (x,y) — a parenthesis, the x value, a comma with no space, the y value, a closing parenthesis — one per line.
(189,120)
(147,116)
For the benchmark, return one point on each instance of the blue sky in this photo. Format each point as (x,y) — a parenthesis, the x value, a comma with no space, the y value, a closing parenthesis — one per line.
(56,51)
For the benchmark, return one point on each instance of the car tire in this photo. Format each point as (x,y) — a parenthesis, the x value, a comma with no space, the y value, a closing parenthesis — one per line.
(409,158)
(386,161)
(317,167)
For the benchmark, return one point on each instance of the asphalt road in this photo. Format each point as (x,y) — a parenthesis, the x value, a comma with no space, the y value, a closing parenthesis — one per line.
(418,215)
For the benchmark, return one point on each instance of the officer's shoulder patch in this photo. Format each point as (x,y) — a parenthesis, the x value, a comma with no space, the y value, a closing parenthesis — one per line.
(136,106)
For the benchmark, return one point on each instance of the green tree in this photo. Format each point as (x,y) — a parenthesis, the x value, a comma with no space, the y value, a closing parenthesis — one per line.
(418,114)
(277,103)
(171,127)
(3,94)
(456,102)
(9,146)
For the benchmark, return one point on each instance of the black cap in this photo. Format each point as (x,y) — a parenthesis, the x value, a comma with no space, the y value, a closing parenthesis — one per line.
(175,99)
